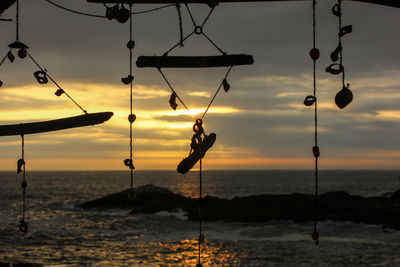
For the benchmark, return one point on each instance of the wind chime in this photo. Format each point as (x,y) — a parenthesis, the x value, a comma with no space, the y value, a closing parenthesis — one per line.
(23,129)
(342,99)
(344,96)
(309,101)
(200,141)
(120,13)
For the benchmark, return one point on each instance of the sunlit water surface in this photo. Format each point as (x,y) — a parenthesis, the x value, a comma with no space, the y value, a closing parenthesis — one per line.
(62,235)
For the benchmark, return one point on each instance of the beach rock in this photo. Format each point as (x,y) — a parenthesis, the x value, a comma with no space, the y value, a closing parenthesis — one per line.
(335,206)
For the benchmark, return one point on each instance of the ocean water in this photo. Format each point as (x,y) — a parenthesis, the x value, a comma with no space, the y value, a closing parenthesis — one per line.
(62,235)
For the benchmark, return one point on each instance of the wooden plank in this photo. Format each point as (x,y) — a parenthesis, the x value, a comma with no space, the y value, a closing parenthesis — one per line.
(5,4)
(181,1)
(55,125)
(193,61)
(391,3)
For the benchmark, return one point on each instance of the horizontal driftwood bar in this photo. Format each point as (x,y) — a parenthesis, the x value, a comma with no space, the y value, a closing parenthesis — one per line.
(392,3)
(193,61)
(55,125)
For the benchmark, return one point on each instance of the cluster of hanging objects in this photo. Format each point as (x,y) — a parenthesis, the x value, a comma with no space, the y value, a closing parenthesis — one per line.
(200,142)
(344,96)
(22,129)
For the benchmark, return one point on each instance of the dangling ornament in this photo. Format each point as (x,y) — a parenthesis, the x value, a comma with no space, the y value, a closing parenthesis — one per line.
(41,76)
(226,85)
(172,101)
(344,97)
(309,100)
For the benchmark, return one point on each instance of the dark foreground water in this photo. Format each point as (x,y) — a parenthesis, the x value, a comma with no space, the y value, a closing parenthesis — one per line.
(62,235)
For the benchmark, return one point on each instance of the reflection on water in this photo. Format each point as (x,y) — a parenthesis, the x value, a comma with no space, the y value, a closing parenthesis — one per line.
(185,253)
(62,235)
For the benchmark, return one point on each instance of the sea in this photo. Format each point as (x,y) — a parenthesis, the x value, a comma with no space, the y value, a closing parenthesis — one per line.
(60,234)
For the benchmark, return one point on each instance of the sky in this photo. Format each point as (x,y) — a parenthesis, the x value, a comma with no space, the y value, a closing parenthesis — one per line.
(261,123)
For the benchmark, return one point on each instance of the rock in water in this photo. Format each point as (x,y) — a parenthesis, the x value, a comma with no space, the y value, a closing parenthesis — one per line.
(335,206)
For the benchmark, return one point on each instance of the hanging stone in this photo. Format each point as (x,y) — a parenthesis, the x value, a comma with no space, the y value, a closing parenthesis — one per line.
(309,100)
(1,83)
(10,56)
(344,97)
(24,184)
(315,151)
(335,54)
(345,30)
(129,163)
(172,101)
(59,92)
(22,53)
(123,15)
(130,44)
(20,163)
(41,76)
(226,85)
(131,118)
(111,12)
(314,54)
(335,69)
(127,80)
(336,10)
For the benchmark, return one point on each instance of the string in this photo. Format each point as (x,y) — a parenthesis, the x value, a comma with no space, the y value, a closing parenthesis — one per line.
(55,83)
(101,16)
(178,7)
(197,29)
(172,89)
(340,41)
(201,238)
(316,153)
(216,93)
(17,23)
(4,58)
(23,227)
(131,101)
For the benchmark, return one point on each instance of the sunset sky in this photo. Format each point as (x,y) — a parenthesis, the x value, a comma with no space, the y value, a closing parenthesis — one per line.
(261,123)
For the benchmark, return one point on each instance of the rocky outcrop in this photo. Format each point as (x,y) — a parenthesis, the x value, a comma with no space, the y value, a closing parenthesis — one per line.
(336,206)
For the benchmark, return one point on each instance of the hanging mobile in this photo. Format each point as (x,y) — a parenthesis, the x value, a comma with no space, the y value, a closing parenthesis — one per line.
(200,142)
(23,129)
(344,96)
(309,101)
(128,80)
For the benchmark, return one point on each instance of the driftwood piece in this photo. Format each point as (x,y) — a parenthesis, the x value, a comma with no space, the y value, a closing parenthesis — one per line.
(193,61)
(55,125)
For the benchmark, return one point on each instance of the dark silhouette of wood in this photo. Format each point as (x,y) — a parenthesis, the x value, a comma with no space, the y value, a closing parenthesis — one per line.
(193,61)
(391,3)
(55,125)
(5,4)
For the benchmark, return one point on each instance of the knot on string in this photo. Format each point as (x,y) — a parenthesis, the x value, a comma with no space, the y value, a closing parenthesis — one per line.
(314,54)
(129,163)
